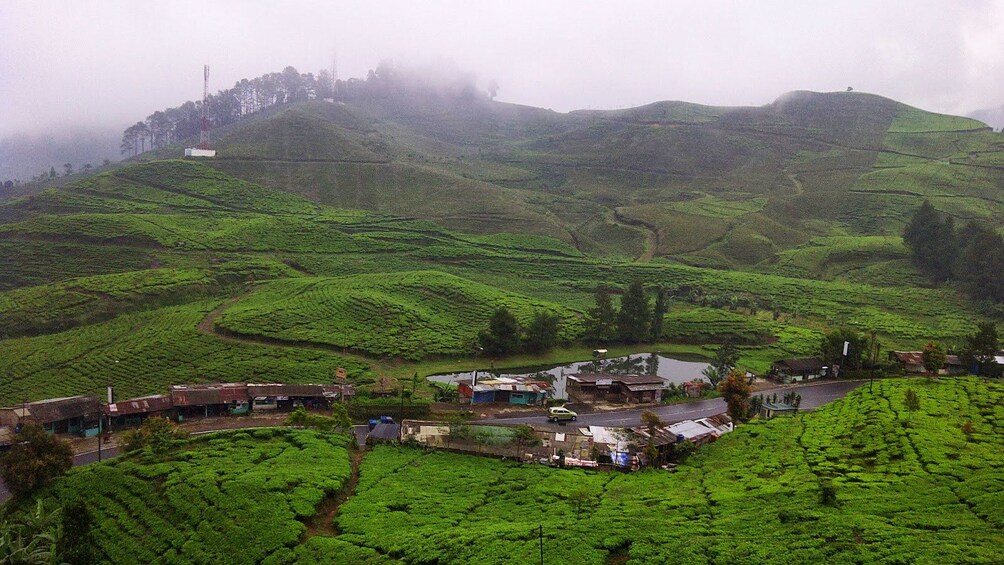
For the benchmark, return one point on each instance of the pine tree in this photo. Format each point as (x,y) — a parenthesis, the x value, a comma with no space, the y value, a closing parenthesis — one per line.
(634,316)
(658,313)
(600,320)
(503,334)
(542,333)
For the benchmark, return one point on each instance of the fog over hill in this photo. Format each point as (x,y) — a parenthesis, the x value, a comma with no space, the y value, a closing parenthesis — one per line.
(24,156)
(993,117)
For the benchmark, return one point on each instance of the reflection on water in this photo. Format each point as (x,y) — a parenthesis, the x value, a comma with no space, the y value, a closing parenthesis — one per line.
(671,370)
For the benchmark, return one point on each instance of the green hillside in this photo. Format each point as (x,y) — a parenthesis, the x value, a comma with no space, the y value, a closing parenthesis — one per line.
(411,314)
(910,487)
(173,271)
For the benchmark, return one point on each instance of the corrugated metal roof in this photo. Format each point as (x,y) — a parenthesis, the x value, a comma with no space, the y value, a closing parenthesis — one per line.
(591,378)
(57,409)
(800,364)
(209,394)
(144,405)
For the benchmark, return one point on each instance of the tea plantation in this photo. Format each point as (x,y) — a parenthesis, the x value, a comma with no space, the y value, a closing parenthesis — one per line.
(908,487)
(226,498)
(172,271)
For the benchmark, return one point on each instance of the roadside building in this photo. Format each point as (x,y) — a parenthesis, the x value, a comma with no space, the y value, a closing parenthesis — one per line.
(504,390)
(286,397)
(81,415)
(133,412)
(210,399)
(631,389)
(772,409)
(799,369)
(384,432)
(912,362)
(694,389)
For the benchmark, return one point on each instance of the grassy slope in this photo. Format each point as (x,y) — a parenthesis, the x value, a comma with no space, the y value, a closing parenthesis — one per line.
(725,187)
(230,497)
(911,487)
(209,236)
(412,314)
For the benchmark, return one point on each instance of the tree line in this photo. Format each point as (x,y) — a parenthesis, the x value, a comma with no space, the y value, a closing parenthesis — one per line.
(638,319)
(971,256)
(249,96)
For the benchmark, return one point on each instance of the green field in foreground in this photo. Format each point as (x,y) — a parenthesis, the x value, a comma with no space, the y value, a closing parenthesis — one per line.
(911,487)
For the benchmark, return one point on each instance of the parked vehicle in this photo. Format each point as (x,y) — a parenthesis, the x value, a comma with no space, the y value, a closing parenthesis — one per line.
(560,413)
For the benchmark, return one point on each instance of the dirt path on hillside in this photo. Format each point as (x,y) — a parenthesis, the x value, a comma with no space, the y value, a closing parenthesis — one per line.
(207,325)
(651,235)
(799,187)
(323,522)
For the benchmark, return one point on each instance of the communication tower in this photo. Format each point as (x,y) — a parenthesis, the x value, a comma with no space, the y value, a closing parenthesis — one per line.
(203,149)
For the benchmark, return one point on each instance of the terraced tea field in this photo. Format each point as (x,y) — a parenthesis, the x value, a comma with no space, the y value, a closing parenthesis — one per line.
(412,315)
(231,497)
(910,487)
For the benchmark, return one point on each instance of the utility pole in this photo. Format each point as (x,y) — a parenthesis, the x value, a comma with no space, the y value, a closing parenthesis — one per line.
(542,544)
(402,406)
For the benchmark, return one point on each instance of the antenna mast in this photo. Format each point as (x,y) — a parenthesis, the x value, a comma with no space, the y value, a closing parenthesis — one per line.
(204,135)
(334,74)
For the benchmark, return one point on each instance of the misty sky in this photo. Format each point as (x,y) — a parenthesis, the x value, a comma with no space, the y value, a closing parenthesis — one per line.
(87,63)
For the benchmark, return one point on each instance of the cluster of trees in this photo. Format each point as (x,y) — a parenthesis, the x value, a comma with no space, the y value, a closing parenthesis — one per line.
(227,106)
(636,321)
(505,336)
(977,350)
(339,419)
(40,535)
(34,461)
(52,173)
(972,256)
(249,96)
(157,434)
(37,534)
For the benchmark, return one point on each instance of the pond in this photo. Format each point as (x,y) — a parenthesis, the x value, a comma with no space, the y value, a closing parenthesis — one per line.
(676,371)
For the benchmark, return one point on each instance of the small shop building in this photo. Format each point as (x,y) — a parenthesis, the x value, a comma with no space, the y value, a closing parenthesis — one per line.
(287,397)
(630,389)
(135,411)
(81,415)
(799,369)
(912,362)
(503,390)
(205,400)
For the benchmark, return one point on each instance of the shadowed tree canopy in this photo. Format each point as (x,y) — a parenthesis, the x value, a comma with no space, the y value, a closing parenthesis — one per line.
(634,316)
(502,336)
(34,461)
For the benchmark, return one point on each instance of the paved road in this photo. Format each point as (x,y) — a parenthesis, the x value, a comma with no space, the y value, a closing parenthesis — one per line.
(814,395)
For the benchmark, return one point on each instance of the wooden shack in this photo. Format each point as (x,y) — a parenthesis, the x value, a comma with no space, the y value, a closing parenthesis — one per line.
(615,388)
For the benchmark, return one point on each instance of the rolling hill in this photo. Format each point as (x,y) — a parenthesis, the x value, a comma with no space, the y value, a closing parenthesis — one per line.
(724,187)
(386,228)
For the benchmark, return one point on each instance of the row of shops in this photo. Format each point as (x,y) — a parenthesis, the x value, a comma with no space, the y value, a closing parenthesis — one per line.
(87,416)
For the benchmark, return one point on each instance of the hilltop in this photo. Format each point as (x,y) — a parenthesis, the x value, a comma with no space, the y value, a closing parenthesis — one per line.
(711,186)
